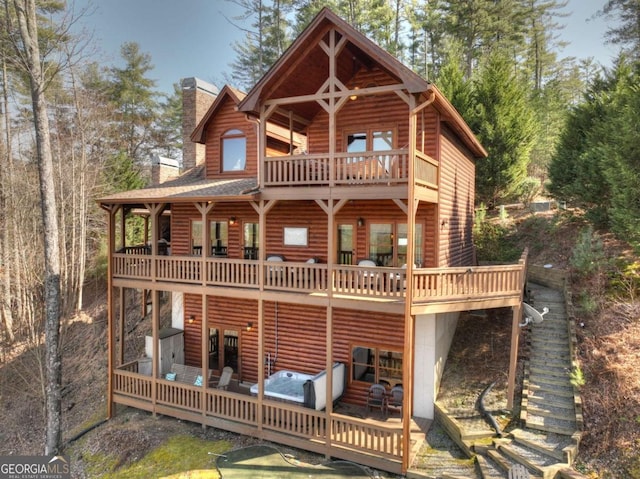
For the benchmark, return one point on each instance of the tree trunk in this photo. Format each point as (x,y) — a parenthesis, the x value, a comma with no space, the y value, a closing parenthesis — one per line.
(27,20)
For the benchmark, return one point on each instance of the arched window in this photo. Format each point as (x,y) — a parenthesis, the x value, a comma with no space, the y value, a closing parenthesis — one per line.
(234,151)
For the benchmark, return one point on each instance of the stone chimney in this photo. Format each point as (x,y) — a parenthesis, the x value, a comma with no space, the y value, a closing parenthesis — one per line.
(163,169)
(197,97)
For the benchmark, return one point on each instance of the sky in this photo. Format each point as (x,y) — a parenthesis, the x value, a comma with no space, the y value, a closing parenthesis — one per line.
(194,38)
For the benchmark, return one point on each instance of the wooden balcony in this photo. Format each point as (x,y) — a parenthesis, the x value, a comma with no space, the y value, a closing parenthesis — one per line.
(377,443)
(478,284)
(389,167)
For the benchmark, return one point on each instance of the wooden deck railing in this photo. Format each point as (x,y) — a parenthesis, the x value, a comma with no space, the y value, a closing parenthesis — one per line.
(391,166)
(366,281)
(429,284)
(450,284)
(365,435)
(308,425)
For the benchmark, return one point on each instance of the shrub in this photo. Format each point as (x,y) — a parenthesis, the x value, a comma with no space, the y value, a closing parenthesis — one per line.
(588,253)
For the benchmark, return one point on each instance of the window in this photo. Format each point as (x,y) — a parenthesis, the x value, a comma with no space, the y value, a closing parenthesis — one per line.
(388,244)
(234,151)
(374,365)
(370,140)
(218,234)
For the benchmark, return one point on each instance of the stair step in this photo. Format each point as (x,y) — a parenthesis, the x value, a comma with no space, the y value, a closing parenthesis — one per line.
(550,337)
(550,361)
(547,424)
(551,444)
(489,469)
(555,389)
(552,412)
(547,371)
(559,402)
(532,459)
(550,347)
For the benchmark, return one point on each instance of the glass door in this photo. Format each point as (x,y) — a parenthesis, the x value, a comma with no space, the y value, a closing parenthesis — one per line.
(224,349)
(345,243)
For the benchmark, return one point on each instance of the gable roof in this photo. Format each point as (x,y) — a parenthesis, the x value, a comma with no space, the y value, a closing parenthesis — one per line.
(227,91)
(363,49)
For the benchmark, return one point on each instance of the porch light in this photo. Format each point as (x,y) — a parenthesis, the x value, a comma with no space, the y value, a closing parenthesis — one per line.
(249,326)
(232,221)
(192,318)
(354,96)
(360,222)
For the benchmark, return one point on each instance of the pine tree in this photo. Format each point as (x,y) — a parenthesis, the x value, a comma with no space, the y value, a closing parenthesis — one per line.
(503,120)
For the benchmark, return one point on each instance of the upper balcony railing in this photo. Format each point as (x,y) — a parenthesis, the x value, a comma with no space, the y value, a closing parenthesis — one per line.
(429,284)
(373,167)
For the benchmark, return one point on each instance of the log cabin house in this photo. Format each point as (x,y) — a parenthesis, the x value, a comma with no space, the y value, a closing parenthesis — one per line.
(323,237)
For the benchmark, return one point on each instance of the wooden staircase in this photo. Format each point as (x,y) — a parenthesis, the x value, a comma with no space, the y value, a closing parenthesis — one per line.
(547,443)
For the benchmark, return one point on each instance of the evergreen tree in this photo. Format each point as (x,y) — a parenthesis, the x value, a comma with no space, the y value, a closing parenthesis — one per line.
(626,31)
(266,40)
(133,95)
(504,122)
(168,130)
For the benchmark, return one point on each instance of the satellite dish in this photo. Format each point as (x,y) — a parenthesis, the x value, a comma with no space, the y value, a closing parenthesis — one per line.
(532,315)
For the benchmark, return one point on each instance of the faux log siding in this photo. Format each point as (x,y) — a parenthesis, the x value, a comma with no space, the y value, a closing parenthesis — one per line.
(227,118)
(387,111)
(229,313)
(233,313)
(357,328)
(192,331)
(182,215)
(457,189)
(430,124)
(380,211)
(427,215)
(301,336)
(297,214)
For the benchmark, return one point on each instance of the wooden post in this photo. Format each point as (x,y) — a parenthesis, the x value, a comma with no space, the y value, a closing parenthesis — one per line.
(155,321)
(513,357)
(112,210)
(204,357)
(121,319)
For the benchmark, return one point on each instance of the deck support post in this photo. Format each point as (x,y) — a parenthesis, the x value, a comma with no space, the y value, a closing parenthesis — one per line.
(513,357)
(121,318)
(112,210)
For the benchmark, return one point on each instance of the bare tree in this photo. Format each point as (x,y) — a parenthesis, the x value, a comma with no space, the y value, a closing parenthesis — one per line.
(28,51)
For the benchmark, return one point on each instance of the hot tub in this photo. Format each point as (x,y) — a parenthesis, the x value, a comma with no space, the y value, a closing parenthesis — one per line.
(291,387)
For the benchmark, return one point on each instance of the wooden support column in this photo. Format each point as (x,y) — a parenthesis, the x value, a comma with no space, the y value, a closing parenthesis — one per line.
(204,331)
(121,320)
(513,357)
(111,246)
(408,366)
(155,363)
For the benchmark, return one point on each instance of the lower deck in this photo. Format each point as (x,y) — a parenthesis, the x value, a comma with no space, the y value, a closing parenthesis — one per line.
(347,432)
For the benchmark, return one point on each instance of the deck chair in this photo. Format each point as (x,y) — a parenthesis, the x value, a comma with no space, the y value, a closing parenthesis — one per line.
(377,398)
(394,401)
(225,378)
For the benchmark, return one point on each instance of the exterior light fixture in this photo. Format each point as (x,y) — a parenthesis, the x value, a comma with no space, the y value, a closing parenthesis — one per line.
(192,318)
(360,222)
(249,326)
(232,221)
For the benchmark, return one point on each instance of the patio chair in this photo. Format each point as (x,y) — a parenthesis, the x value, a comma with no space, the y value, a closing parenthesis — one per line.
(368,278)
(394,402)
(225,378)
(377,398)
